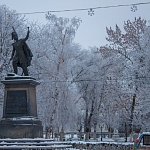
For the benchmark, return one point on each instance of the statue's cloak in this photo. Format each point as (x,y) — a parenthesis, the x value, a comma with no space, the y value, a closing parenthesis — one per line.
(28,53)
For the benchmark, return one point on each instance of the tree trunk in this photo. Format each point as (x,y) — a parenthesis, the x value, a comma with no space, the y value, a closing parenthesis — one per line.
(94,132)
(131,117)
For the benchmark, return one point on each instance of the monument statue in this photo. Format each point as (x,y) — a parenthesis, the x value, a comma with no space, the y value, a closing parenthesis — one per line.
(21,54)
(20,117)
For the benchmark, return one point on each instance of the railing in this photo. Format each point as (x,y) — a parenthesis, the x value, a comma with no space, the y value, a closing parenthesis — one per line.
(81,135)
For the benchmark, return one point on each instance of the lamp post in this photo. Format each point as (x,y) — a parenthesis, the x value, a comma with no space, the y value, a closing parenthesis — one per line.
(101,133)
(80,131)
(126,132)
(94,136)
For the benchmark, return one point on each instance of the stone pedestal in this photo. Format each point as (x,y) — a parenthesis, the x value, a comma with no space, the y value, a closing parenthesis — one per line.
(20,109)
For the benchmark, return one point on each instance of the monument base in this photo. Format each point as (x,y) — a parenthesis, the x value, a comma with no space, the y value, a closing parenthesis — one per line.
(20,108)
(23,127)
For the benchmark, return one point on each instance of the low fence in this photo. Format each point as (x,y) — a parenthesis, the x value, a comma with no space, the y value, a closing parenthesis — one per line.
(97,136)
(103,146)
(107,146)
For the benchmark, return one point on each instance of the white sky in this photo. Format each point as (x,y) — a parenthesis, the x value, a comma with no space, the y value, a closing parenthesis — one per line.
(92,31)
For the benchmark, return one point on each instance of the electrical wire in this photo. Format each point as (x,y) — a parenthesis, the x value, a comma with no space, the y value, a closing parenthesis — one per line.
(83,9)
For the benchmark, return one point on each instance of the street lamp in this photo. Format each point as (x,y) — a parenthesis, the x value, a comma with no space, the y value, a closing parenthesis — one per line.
(101,127)
(101,132)
(80,131)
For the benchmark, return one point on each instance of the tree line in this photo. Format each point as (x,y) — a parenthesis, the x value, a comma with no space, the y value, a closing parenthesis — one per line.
(80,87)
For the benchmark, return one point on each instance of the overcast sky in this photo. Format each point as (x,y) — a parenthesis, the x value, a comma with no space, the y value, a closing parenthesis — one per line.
(92,31)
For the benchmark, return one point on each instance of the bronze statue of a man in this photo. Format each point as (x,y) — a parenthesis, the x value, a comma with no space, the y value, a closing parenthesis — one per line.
(21,54)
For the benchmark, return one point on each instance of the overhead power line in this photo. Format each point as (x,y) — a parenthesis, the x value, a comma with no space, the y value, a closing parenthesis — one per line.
(83,9)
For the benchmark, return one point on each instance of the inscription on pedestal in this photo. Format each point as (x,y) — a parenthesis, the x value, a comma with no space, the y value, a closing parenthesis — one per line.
(16,102)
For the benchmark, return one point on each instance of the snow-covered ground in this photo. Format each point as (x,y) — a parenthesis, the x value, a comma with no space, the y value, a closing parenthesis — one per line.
(40,143)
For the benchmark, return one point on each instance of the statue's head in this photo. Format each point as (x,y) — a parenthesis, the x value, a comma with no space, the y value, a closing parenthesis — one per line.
(14,34)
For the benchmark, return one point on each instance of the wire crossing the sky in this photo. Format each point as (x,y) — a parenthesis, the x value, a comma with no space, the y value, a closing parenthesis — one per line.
(83,9)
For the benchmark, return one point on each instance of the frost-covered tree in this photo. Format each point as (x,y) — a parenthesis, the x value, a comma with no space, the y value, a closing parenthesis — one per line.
(129,52)
(88,78)
(55,53)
